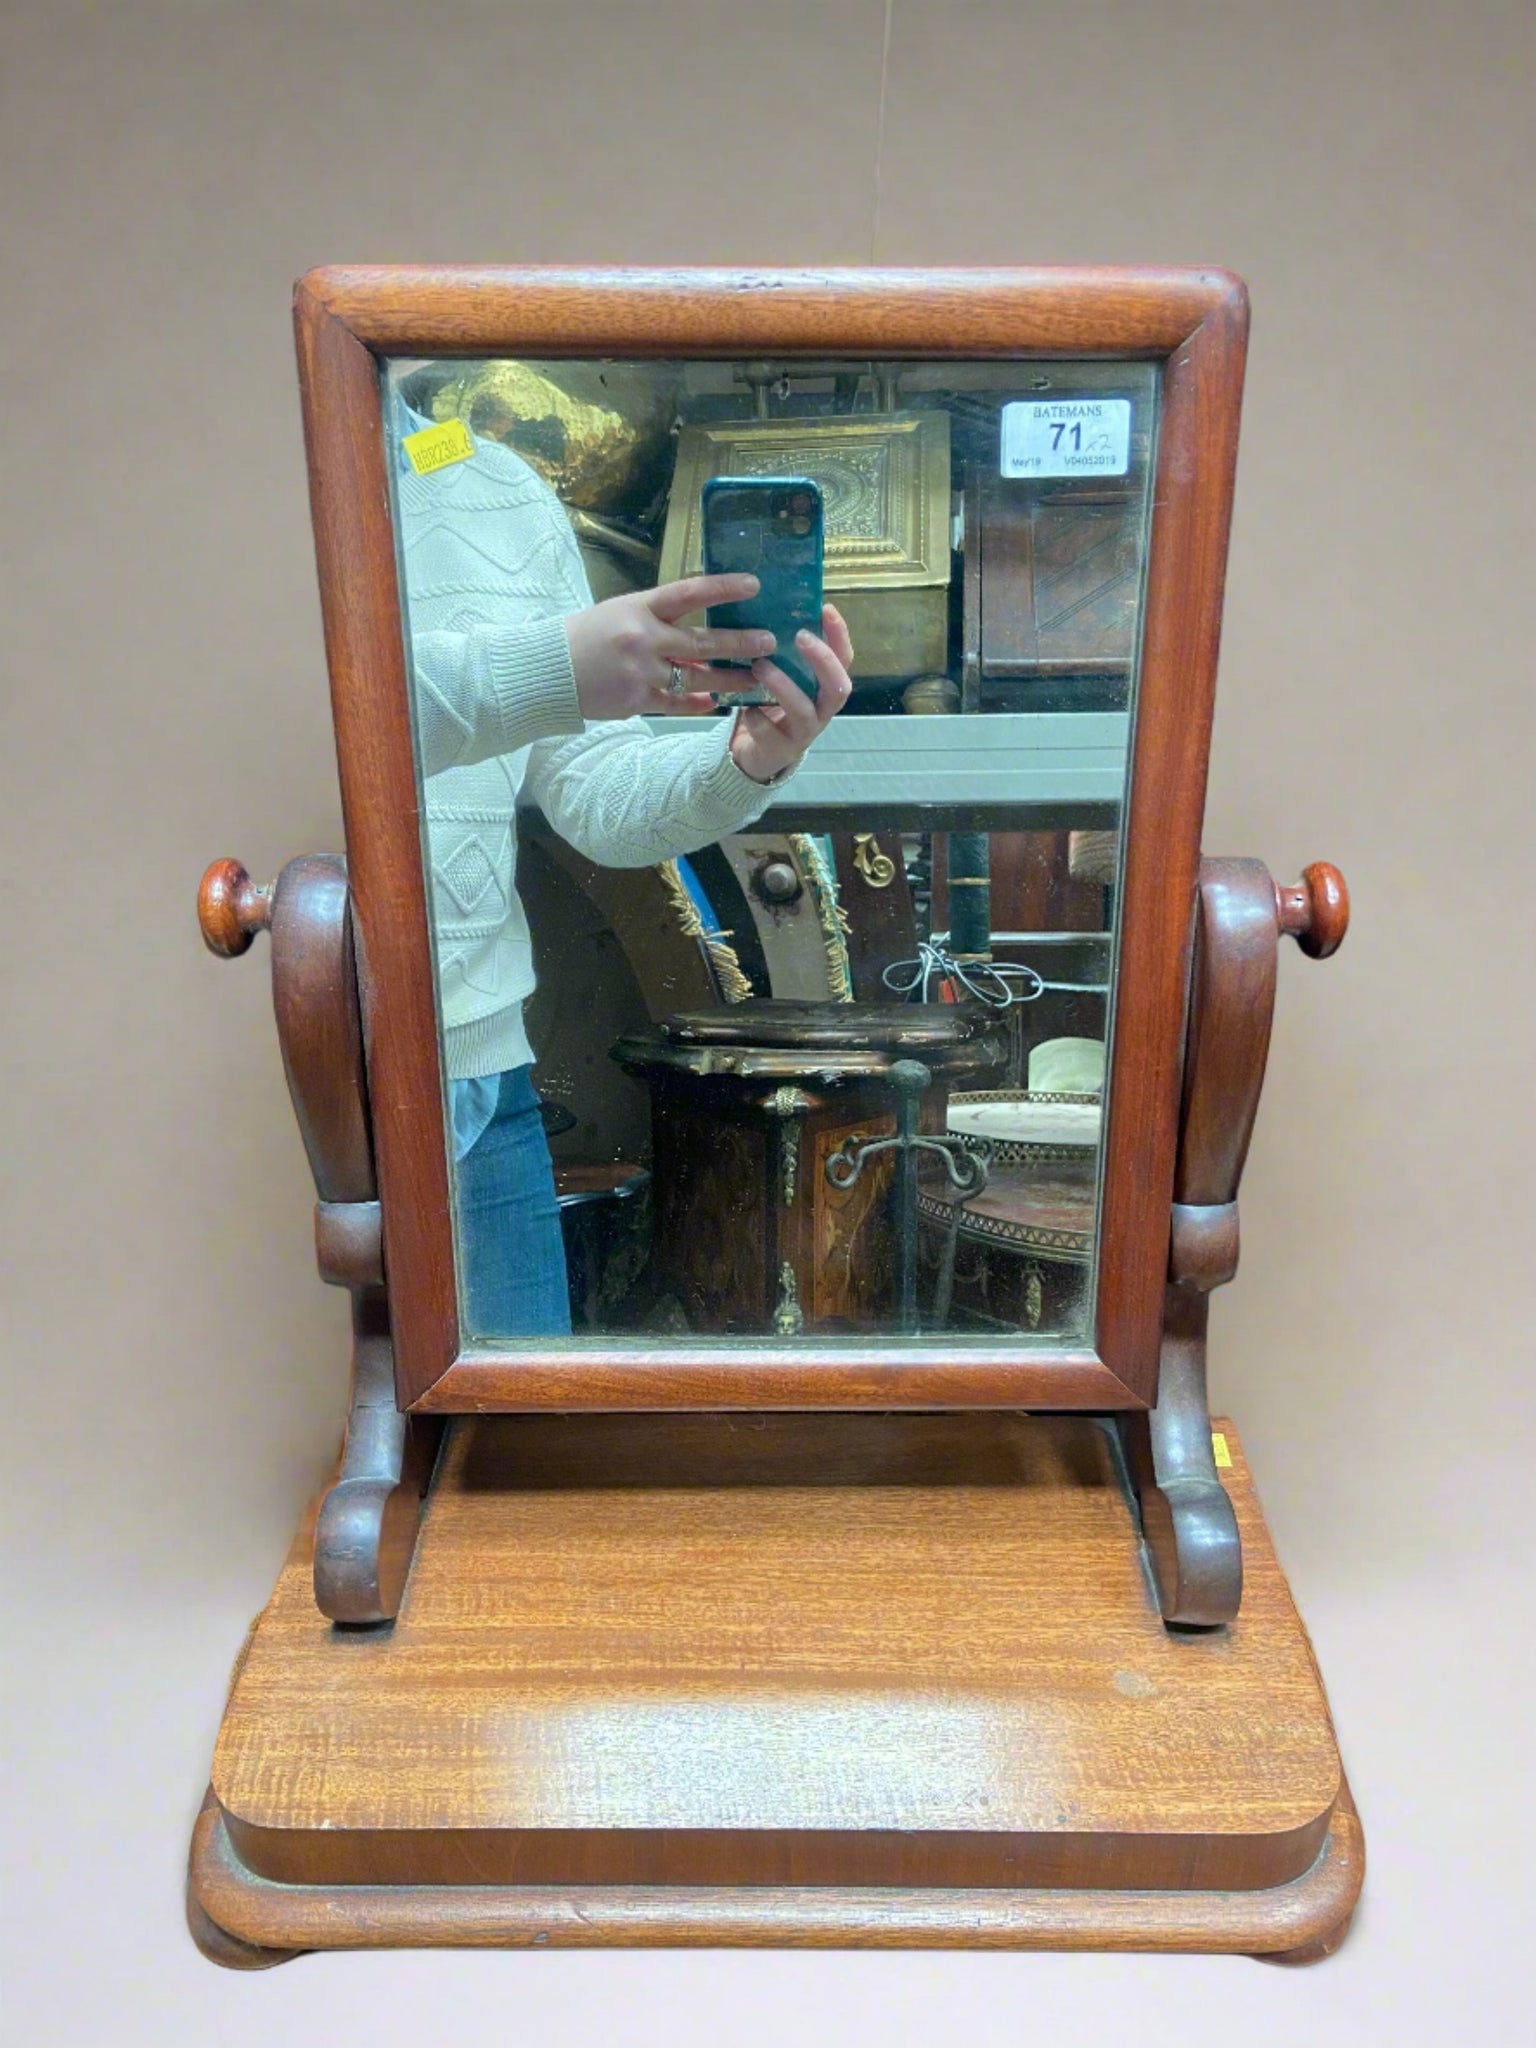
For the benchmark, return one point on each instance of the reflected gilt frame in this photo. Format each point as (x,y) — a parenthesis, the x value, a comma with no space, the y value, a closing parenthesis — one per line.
(1194,323)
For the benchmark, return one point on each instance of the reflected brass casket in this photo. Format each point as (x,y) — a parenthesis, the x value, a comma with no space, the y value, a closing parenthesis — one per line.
(884,480)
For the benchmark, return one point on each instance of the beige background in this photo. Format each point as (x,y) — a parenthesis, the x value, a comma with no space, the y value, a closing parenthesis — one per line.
(175,1370)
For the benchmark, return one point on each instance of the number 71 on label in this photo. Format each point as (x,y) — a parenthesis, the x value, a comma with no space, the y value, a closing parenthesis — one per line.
(1066,437)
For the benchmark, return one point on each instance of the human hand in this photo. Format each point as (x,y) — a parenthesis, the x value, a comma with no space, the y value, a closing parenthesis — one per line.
(625,650)
(770,738)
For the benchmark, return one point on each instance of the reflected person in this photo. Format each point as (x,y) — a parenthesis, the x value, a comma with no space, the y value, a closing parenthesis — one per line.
(526,693)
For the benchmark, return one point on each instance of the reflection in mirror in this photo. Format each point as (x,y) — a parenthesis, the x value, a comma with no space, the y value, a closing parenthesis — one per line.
(775,991)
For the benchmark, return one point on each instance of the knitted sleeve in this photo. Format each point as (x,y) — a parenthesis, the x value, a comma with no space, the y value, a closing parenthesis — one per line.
(627,797)
(491,690)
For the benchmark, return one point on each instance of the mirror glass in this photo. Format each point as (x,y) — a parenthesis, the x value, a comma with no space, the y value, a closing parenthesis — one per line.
(774,1001)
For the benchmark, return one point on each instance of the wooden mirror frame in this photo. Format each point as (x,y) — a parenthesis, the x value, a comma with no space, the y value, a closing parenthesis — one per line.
(1194,323)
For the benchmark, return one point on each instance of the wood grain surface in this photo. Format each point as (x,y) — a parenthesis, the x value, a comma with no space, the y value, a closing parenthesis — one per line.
(780,1650)
(1297,1923)
(748,1375)
(463,309)
(360,608)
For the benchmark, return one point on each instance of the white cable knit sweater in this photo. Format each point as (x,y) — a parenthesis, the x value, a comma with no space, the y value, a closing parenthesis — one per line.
(491,571)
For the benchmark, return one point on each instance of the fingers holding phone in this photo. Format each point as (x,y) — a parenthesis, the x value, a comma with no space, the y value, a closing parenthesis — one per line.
(762,592)
(632,653)
(834,630)
(771,737)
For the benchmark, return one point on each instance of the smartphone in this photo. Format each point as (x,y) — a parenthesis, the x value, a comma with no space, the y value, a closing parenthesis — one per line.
(771,526)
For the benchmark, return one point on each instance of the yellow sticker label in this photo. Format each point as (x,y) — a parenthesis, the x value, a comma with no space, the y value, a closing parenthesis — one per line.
(437,447)
(1222,1454)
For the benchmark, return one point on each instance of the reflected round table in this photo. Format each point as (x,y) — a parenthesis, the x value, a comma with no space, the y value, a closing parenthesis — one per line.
(1022,1249)
(748,1103)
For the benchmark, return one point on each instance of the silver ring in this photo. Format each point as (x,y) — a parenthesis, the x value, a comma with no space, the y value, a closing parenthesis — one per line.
(677,685)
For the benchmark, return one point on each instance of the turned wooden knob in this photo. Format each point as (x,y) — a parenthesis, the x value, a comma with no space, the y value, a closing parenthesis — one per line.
(231,909)
(1315,910)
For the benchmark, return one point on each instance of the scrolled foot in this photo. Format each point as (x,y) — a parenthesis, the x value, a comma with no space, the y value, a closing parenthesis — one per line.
(1196,1552)
(1187,1520)
(364,1541)
(368,1523)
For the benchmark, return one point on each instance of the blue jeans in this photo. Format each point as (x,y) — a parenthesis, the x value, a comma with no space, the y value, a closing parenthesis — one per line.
(511,1256)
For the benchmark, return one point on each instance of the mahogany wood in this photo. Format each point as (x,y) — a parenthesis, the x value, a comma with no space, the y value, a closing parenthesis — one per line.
(861,1373)
(1203,1247)
(1192,1536)
(1185,1517)
(359,602)
(227,1950)
(366,1533)
(468,310)
(315,998)
(724,1662)
(368,1521)
(1231,1011)
(231,910)
(349,1243)
(1294,1924)
(1194,321)
(1315,910)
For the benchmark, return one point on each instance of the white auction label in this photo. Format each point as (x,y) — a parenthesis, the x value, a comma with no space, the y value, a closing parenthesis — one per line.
(1066,437)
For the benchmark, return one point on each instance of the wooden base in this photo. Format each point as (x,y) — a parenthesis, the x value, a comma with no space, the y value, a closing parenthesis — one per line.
(871,1680)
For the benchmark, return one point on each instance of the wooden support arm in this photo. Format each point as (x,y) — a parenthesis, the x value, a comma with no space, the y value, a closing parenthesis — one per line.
(368,1520)
(1241,915)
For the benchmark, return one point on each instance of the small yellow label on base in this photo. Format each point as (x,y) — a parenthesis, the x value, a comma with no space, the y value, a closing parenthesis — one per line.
(1219,1448)
(437,447)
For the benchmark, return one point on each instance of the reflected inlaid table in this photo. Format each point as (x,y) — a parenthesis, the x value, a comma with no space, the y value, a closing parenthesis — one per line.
(749,1102)
(1021,1250)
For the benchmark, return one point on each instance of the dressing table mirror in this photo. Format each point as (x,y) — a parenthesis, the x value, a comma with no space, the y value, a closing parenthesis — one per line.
(642,1073)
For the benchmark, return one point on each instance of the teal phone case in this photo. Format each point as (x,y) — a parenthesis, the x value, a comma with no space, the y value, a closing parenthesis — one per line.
(771,526)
